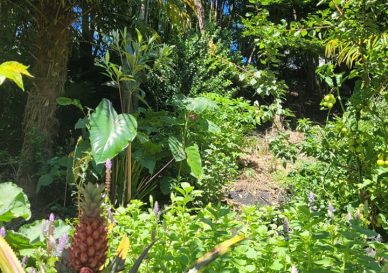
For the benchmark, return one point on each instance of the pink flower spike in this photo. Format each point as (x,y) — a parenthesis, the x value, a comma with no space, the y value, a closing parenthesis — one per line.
(2,232)
(108,165)
(51,217)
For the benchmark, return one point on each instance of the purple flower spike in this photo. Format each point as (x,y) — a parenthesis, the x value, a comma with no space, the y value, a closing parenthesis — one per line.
(62,243)
(311,197)
(2,232)
(108,165)
(330,210)
(52,217)
(156,208)
(24,261)
(286,226)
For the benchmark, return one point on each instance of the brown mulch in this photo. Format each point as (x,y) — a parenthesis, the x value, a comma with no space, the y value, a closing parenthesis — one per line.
(256,184)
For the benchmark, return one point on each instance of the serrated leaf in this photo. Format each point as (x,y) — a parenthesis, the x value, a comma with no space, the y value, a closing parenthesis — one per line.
(194,161)
(110,133)
(176,148)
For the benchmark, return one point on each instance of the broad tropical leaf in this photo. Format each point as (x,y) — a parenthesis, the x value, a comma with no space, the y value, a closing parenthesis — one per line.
(110,133)
(13,203)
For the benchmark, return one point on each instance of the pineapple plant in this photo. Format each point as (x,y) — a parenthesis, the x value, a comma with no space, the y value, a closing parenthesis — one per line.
(88,248)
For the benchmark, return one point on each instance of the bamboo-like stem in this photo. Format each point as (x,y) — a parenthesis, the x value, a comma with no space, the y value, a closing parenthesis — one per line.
(129,172)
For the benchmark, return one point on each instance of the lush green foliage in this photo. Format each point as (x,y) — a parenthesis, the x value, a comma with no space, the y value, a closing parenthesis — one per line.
(305,235)
(180,105)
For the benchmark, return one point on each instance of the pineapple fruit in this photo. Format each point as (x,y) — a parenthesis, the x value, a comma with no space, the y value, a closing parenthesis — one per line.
(89,245)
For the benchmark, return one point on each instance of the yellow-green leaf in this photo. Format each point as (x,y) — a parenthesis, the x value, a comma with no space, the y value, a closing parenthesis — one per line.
(13,71)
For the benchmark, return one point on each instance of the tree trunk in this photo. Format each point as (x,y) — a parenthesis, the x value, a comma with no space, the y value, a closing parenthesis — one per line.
(200,12)
(51,52)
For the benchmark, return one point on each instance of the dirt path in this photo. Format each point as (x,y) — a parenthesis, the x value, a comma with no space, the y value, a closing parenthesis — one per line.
(258,183)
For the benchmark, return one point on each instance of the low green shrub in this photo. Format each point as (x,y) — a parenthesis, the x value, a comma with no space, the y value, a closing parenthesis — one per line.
(304,236)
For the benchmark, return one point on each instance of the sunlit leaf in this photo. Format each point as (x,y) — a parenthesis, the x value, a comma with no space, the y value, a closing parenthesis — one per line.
(194,161)
(110,133)
(13,71)
(13,203)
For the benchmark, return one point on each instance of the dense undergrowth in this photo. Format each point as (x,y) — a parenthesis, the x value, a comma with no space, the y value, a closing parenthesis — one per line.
(173,127)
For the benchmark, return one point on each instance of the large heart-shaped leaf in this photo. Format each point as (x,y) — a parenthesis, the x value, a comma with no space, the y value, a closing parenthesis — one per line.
(110,133)
(13,202)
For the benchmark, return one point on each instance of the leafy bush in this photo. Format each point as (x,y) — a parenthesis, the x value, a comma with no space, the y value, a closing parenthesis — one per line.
(304,236)
(216,124)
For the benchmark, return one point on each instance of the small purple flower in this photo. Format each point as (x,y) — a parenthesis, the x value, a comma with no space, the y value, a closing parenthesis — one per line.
(110,215)
(311,198)
(52,218)
(24,261)
(156,208)
(294,269)
(62,242)
(2,232)
(330,210)
(108,165)
(32,270)
(286,226)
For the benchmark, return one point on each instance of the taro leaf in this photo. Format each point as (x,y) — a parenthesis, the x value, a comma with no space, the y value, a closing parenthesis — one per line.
(68,101)
(176,148)
(199,104)
(13,203)
(13,71)
(110,133)
(194,161)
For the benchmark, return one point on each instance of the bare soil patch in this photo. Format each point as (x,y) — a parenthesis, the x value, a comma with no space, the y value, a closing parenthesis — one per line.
(257,185)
